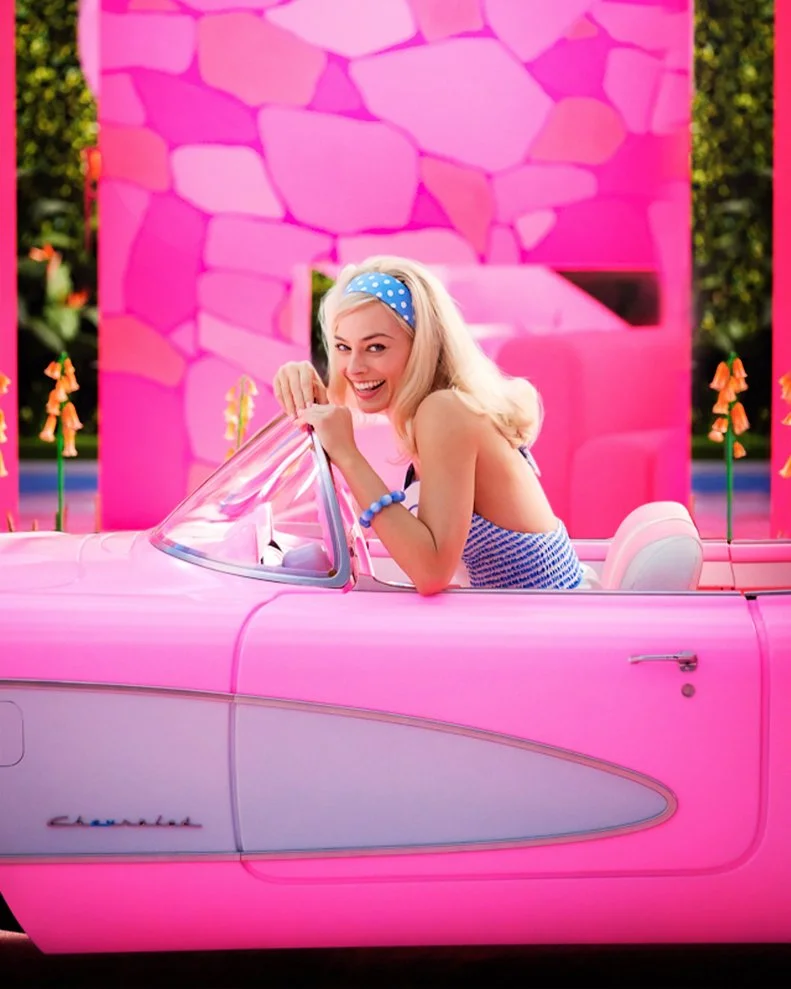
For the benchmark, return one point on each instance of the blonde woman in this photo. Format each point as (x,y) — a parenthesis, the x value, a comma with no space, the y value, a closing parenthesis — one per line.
(397,345)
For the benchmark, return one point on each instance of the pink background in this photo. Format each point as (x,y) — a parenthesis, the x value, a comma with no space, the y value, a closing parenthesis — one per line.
(8,403)
(781,339)
(244,137)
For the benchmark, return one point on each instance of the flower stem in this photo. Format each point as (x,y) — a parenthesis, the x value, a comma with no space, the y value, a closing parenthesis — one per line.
(239,416)
(59,450)
(729,463)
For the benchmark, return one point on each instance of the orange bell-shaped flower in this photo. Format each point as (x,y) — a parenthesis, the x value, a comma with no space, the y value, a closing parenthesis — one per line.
(716,436)
(53,370)
(69,417)
(738,384)
(48,432)
(738,450)
(70,378)
(723,405)
(785,470)
(737,368)
(785,387)
(739,419)
(721,377)
(69,449)
(721,425)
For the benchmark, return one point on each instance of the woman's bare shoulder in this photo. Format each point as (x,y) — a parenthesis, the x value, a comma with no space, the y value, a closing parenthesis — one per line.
(445,407)
(444,423)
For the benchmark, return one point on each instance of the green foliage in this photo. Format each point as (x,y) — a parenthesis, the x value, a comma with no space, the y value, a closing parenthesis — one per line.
(56,119)
(320,285)
(732,193)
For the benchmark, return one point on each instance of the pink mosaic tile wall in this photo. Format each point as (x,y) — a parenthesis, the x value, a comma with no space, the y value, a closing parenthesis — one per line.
(241,138)
(8,356)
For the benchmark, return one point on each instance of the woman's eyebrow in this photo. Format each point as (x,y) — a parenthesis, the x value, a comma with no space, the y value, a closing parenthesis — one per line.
(371,336)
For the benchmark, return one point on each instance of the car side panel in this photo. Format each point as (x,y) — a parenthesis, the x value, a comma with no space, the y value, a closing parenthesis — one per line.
(548,670)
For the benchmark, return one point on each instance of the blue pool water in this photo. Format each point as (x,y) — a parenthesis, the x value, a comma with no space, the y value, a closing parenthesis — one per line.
(708,477)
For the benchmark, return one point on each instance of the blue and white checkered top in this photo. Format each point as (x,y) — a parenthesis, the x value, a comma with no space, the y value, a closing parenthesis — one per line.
(502,558)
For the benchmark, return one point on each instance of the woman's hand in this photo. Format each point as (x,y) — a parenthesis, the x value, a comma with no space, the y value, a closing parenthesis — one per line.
(297,385)
(333,425)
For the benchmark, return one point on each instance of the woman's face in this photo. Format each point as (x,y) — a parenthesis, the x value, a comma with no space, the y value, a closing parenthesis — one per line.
(371,351)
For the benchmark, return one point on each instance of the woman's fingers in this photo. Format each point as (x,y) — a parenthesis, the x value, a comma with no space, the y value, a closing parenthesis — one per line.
(282,392)
(303,392)
(296,386)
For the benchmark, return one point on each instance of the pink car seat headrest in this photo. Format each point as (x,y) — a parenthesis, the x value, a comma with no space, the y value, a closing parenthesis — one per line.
(656,548)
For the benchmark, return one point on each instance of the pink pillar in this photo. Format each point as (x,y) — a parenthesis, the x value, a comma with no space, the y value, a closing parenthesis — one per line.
(8,362)
(781,337)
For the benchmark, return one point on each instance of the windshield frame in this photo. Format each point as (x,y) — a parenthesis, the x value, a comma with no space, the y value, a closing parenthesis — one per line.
(335,532)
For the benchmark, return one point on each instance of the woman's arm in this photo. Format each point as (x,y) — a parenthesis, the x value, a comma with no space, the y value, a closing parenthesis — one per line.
(428,549)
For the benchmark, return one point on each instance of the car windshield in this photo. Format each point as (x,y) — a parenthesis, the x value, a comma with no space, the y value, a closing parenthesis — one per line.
(269,512)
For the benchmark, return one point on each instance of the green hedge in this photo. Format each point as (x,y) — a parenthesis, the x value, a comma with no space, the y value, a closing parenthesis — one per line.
(732,197)
(56,119)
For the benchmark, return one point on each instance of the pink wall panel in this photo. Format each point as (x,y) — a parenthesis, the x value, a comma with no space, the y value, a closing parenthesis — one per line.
(242,139)
(8,364)
(781,340)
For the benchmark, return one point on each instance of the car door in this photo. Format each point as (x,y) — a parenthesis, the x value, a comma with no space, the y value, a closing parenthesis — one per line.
(537,733)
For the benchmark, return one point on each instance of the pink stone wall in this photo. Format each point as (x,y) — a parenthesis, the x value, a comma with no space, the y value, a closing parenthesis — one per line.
(8,403)
(781,337)
(242,138)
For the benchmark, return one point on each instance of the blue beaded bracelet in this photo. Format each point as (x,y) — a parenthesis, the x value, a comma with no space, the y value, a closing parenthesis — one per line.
(394,498)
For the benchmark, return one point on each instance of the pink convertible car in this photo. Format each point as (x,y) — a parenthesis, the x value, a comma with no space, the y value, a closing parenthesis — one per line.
(245,729)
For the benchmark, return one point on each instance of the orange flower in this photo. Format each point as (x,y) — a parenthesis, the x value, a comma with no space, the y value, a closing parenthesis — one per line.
(57,396)
(3,471)
(45,253)
(738,384)
(738,450)
(739,419)
(785,385)
(69,449)
(721,425)
(48,254)
(70,376)
(5,381)
(722,406)
(787,420)
(48,432)
(53,369)
(721,377)
(785,470)
(93,163)
(76,300)
(716,436)
(69,418)
(737,368)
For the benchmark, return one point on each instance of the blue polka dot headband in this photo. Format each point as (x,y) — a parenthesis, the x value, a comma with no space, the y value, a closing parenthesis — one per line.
(390,290)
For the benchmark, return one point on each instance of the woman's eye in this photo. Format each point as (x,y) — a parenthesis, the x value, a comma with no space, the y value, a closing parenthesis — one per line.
(377,348)
(341,346)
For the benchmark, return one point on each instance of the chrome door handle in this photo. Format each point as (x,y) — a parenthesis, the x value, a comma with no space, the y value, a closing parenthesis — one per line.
(687,661)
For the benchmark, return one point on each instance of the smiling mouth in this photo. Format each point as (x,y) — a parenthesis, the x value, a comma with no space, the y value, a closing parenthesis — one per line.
(367,389)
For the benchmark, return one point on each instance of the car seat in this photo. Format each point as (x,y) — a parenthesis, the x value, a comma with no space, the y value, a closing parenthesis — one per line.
(656,548)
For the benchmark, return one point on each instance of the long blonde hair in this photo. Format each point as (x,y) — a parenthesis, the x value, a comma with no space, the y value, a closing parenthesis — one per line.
(444,355)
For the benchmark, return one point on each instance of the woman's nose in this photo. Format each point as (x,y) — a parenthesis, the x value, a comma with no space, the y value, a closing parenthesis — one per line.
(356,363)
